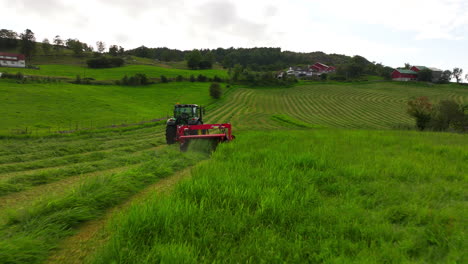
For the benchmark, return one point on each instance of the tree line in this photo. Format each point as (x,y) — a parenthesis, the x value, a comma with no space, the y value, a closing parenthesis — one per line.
(256,59)
(446,115)
(27,45)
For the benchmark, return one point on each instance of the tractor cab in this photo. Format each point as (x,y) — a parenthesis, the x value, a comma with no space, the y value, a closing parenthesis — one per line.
(187,114)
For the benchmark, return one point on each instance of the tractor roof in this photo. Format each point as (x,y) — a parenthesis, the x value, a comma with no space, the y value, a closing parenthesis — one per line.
(186,105)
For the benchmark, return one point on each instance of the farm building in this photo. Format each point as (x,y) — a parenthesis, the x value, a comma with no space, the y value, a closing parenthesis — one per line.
(311,70)
(404,75)
(12,60)
(436,73)
(322,68)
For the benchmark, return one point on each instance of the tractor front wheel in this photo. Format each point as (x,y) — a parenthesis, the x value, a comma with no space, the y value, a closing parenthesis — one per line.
(171,132)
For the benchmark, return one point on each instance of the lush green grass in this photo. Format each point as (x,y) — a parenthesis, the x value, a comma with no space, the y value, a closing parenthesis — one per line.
(375,105)
(31,233)
(71,71)
(317,196)
(63,106)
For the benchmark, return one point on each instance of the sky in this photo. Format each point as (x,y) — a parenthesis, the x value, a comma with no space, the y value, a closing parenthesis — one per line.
(432,33)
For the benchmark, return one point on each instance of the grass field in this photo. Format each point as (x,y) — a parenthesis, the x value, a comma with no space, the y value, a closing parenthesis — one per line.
(327,193)
(378,105)
(316,196)
(63,106)
(48,186)
(71,71)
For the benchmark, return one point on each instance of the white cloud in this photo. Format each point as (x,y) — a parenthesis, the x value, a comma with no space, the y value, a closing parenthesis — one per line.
(428,19)
(297,25)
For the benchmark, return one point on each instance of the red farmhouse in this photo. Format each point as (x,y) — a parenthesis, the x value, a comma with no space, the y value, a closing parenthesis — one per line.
(404,75)
(12,60)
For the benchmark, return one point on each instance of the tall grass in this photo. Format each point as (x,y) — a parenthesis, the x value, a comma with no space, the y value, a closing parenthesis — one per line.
(308,197)
(31,233)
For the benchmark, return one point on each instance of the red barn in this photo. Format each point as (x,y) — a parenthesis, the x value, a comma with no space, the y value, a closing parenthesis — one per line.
(320,67)
(404,75)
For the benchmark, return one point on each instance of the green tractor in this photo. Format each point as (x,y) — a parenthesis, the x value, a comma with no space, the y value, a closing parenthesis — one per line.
(184,114)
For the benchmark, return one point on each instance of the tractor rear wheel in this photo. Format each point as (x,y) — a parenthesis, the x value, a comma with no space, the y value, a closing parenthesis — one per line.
(171,132)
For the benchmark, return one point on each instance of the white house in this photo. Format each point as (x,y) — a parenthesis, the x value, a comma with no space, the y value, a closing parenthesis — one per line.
(12,60)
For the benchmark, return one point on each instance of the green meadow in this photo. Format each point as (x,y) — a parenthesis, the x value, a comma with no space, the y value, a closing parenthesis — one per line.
(71,71)
(318,173)
(311,196)
(64,106)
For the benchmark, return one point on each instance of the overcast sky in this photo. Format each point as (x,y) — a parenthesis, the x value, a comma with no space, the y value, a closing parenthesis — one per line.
(421,32)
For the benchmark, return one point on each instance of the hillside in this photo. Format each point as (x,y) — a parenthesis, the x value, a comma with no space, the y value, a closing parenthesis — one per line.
(62,106)
(316,174)
(70,71)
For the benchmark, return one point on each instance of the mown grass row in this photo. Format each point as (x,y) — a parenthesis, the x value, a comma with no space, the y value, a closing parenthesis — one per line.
(31,233)
(16,182)
(366,105)
(315,196)
(69,142)
(53,150)
(81,157)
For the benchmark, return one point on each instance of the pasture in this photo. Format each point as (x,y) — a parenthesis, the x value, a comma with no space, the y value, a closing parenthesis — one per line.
(316,189)
(71,71)
(374,105)
(48,107)
(61,106)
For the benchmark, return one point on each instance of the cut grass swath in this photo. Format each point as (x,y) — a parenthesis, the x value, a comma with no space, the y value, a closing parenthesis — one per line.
(31,233)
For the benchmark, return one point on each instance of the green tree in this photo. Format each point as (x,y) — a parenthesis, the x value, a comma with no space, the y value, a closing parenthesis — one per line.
(448,114)
(46,47)
(8,39)
(445,77)
(421,109)
(58,43)
(76,46)
(407,66)
(236,72)
(207,61)
(101,46)
(228,61)
(193,59)
(113,50)
(457,73)
(215,90)
(28,44)
(425,75)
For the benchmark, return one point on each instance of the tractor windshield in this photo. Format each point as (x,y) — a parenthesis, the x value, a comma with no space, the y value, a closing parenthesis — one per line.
(190,111)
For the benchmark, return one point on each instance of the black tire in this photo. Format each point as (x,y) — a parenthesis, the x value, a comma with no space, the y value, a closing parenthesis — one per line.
(171,131)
